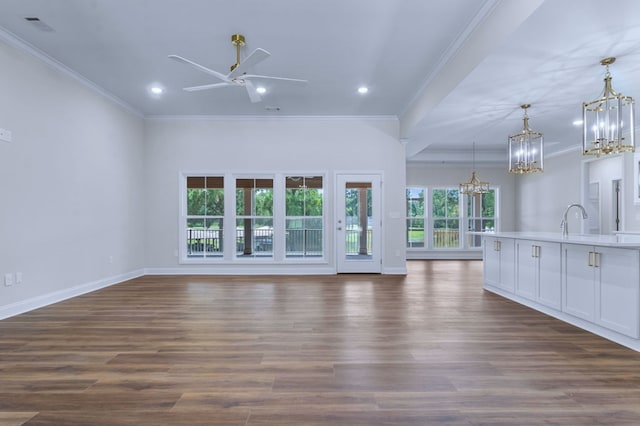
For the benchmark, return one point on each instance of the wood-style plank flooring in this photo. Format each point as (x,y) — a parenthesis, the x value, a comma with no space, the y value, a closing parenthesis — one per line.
(428,348)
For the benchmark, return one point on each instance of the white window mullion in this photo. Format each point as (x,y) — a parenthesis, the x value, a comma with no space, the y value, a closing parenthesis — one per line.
(279,234)
(428,223)
(229,222)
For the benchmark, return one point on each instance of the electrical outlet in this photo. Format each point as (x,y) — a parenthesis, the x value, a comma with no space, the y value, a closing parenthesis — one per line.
(8,279)
(18,277)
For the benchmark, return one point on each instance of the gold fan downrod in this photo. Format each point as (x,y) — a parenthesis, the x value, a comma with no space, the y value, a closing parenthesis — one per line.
(238,41)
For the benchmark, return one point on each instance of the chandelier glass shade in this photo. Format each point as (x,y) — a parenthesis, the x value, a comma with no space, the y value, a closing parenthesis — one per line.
(526,149)
(608,122)
(475,185)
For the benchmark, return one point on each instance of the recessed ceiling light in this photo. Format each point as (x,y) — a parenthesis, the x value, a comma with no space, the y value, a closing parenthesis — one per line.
(155,90)
(261,90)
(363,89)
(578,123)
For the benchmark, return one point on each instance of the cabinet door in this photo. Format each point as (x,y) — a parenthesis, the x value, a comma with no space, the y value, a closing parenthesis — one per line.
(526,268)
(549,277)
(507,264)
(617,287)
(578,284)
(491,261)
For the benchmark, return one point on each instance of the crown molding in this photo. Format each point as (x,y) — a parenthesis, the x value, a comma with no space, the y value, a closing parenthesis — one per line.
(16,42)
(392,118)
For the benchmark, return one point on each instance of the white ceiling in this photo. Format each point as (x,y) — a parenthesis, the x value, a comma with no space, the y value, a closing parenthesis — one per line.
(453,71)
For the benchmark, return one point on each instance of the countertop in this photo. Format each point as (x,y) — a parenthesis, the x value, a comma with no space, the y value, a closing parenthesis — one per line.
(608,240)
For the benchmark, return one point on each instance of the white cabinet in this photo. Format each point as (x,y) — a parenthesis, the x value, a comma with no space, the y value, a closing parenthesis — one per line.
(618,290)
(578,284)
(602,285)
(499,262)
(538,272)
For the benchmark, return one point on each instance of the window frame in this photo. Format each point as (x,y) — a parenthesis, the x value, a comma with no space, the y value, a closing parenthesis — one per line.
(186,246)
(253,216)
(304,217)
(462,218)
(229,219)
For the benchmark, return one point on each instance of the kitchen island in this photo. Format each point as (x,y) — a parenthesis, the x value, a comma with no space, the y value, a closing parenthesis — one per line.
(590,281)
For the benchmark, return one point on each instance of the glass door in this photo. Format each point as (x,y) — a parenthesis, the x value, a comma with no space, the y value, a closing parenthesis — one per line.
(358,223)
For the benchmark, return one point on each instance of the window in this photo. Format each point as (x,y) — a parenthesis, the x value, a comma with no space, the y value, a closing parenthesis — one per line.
(415,217)
(303,216)
(446,218)
(440,218)
(242,218)
(205,213)
(254,217)
(480,216)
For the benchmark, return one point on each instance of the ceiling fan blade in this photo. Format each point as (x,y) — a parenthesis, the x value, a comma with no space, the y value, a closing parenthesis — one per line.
(268,77)
(200,67)
(251,90)
(206,86)
(255,57)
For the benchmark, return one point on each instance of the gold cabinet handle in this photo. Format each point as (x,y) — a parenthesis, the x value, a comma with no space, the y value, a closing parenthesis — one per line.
(596,259)
(590,260)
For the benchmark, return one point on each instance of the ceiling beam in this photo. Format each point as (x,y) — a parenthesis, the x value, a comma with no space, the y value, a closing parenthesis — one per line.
(493,24)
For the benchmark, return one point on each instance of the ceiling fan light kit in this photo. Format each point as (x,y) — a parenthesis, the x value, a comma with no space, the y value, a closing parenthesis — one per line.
(608,122)
(238,75)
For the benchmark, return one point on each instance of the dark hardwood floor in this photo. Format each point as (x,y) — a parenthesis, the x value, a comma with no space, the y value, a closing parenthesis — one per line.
(428,348)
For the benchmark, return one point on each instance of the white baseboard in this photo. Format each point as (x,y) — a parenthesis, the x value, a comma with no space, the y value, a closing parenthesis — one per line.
(242,270)
(23,306)
(58,296)
(444,255)
(395,271)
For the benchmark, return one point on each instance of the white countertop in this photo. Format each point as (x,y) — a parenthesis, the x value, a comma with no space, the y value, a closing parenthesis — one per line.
(618,240)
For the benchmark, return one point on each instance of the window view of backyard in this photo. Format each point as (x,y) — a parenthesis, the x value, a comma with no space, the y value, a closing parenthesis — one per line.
(480,216)
(303,222)
(446,221)
(205,213)
(415,217)
(254,217)
(358,230)
(448,211)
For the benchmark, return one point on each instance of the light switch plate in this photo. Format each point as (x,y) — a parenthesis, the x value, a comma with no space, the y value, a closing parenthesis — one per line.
(8,279)
(5,135)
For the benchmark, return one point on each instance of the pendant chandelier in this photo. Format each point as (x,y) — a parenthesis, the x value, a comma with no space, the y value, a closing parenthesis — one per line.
(608,122)
(526,149)
(475,185)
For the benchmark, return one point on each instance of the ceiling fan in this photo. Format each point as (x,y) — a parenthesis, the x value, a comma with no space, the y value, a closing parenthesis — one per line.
(238,75)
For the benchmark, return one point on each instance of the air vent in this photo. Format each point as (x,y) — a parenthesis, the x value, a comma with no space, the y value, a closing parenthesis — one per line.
(39,24)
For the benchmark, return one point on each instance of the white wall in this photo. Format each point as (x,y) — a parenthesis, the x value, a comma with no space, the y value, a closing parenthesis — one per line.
(252,145)
(543,197)
(70,185)
(631,209)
